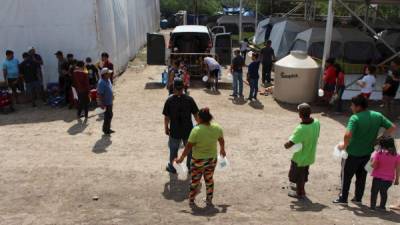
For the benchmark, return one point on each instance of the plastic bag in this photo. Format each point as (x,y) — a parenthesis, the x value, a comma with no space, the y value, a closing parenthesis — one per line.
(99,111)
(297,147)
(321,92)
(222,163)
(181,170)
(368,167)
(339,154)
(205,79)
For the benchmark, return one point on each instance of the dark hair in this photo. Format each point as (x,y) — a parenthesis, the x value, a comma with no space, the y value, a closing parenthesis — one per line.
(371,69)
(9,52)
(387,143)
(246,40)
(269,42)
(80,64)
(69,55)
(25,55)
(88,60)
(331,60)
(205,115)
(360,100)
(105,55)
(255,54)
(338,68)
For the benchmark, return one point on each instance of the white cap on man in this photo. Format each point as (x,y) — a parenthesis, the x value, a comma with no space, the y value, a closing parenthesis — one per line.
(105,71)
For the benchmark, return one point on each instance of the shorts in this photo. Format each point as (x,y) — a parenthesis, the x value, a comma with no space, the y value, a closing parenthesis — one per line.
(298,174)
(329,87)
(33,87)
(13,83)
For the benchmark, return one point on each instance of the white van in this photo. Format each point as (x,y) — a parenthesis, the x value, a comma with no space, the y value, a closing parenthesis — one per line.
(189,43)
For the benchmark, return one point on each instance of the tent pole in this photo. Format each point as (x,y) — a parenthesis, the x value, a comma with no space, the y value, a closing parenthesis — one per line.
(256,20)
(389,59)
(328,38)
(240,20)
(367,26)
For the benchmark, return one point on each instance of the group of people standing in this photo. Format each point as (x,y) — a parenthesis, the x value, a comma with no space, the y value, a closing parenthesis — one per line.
(25,76)
(82,77)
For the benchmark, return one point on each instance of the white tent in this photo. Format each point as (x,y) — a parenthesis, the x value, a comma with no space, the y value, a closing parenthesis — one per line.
(264,28)
(357,46)
(283,35)
(84,28)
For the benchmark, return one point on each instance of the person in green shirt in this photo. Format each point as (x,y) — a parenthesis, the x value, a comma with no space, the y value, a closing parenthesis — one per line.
(306,134)
(359,141)
(202,142)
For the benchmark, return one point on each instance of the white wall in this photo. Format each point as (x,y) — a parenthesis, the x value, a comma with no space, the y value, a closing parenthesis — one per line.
(82,27)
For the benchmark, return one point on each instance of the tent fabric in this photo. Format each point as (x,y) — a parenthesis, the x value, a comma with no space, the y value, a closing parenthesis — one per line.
(264,28)
(348,43)
(84,28)
(284,33)
(393,39)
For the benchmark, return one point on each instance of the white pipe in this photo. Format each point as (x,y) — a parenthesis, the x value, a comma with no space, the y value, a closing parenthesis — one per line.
(328,38)
(240,20)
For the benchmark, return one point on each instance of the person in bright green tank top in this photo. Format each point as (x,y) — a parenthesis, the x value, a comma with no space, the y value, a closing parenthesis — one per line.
(203,142)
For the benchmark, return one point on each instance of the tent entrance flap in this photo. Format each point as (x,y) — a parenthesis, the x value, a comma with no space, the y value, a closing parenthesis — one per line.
(155,49)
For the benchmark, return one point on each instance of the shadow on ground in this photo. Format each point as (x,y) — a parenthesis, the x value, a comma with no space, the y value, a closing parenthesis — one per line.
(306,205)
(78,128)
(207,211)
(102,144)
(176,189)
(364,211)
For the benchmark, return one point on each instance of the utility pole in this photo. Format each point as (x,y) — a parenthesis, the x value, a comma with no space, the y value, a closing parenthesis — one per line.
(240,20)
(195,12)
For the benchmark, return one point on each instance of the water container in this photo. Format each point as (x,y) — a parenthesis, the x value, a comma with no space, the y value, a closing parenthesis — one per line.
(164,77)
(296,78)
(222,163)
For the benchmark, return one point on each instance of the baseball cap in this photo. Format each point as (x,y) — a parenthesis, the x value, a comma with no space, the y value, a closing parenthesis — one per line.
(304,109)
(105,70)
(178,83)
(58,53)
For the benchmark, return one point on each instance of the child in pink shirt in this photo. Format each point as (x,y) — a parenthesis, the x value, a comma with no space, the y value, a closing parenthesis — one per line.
(386,171)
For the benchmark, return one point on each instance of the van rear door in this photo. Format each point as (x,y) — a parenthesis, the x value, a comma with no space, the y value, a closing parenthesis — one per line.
(155,49)
(223,48)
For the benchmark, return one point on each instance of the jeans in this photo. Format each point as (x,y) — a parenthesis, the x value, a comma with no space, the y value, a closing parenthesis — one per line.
(379,186)
(354,166)
(83,103)
(253,88)
(174,145)
(266,72)
(237,83)
(33,89)
(244,53)
(108,115)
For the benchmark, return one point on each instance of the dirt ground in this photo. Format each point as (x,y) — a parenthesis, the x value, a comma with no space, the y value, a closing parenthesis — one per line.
(52,167)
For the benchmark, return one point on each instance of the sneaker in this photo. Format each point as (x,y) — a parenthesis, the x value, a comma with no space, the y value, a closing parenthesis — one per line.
(192,204)
(382,209)
(339,201)
(293,194)
(209,203)
(232,95)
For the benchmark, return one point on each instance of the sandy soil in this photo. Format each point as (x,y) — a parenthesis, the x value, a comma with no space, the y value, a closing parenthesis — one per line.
(51,167)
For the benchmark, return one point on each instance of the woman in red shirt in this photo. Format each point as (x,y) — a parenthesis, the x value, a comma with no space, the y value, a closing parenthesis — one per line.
(330,76)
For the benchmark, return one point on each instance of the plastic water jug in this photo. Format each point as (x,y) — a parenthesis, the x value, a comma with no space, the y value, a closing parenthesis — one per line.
(222,163)
(164,77)
(339,154)
(205,79)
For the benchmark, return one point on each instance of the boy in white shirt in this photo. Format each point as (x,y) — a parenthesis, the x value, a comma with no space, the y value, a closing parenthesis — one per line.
(367,83)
